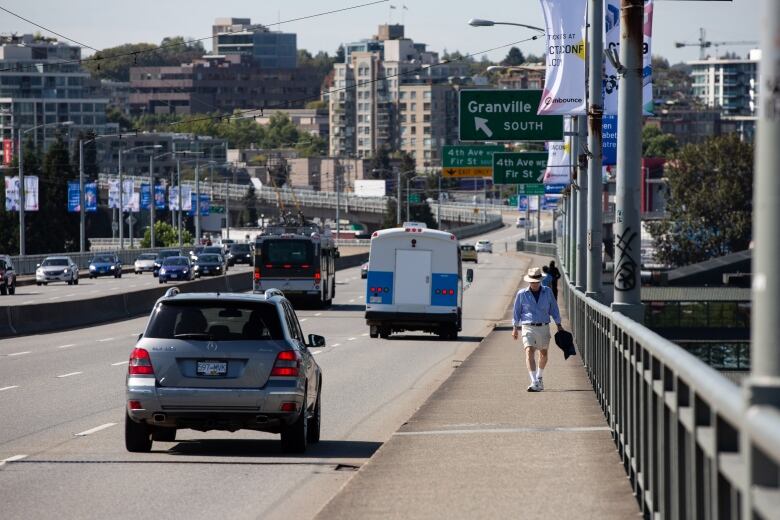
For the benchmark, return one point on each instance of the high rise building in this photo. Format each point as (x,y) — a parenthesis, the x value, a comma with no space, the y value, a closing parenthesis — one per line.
(269,49)
(367,110)
(41,83)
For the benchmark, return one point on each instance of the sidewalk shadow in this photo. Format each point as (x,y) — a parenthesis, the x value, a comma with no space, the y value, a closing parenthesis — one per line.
(271,447)
(346,307)
(434,338)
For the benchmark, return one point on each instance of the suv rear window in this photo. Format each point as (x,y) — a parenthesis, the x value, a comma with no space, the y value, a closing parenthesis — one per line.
(467,248)
(215,321)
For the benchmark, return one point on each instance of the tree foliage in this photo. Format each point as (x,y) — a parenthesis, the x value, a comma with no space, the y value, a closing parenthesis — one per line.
(114,62)
(658,144)
(165,235)
(513,57)
(709,200)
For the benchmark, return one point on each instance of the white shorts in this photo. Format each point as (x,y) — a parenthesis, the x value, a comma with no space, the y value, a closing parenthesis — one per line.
(536,336)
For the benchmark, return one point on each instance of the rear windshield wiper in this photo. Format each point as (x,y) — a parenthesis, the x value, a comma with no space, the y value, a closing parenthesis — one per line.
(193,335)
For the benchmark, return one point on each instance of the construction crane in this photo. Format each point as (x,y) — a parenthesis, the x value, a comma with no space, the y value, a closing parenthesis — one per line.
(703,44)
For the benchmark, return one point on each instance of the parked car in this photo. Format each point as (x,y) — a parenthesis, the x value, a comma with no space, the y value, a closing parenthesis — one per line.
(144,263)
(221,354)
(484,246)
(162,255)
(105,265)
(176,268)
(468,253)
(240,254)
(208,264)
(57,269)
(364,270)
(7,275)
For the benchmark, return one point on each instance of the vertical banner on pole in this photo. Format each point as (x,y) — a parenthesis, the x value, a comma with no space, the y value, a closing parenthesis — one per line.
(612,41)
(186,198)
(564,83)
(12,194)
(135,202)
(127,194)
(90,197)
(8,151)
(31,193)
(205,206)
(74,197)
(159,197)
(113,194)
(609,132)
(173,198)
(145,196)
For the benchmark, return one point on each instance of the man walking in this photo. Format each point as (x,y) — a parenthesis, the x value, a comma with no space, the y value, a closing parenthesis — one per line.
(534,306)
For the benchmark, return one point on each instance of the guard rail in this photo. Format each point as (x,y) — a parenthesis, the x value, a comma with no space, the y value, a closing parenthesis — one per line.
(690,444)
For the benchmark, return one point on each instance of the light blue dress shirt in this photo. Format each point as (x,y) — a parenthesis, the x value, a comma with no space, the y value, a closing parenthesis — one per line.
(528,310)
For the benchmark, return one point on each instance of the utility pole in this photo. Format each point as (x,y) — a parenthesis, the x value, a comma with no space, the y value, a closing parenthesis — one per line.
(21,195)
(762,388)
(438,206)
(178,191)
(595,112)
(338,205)
(151,199)
(82,220)
(582,202)
(121,203)
(398,199)
(197,199)
(628,298)
(538,218)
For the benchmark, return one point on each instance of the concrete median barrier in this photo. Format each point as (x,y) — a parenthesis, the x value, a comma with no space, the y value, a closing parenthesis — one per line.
(19,320)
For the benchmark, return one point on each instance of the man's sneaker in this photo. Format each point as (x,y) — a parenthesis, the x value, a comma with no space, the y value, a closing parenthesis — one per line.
(534,387)
(540,384)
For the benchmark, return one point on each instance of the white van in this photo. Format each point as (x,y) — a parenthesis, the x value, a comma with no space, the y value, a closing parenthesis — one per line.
(414,282)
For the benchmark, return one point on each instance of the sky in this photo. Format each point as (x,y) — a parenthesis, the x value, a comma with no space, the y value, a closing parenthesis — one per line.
(442,24)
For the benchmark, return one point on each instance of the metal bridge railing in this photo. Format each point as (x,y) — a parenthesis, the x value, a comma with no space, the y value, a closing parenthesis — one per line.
(690,445)
(28,263)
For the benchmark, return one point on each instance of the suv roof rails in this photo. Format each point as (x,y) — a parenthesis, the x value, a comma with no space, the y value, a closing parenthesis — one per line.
(270,293)
(173,291)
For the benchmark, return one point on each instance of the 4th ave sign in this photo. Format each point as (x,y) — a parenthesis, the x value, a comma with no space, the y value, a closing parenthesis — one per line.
(519,168)
(506,115)
(468,161)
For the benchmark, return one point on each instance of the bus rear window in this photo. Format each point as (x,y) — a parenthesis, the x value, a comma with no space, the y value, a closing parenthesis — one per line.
(294,252)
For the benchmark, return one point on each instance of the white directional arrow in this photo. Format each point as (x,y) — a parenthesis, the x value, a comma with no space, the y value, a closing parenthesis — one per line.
(481,124)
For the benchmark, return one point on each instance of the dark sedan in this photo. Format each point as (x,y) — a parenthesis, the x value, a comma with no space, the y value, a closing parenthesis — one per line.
(175,268)
(240,254)
(105,265)
(208,265)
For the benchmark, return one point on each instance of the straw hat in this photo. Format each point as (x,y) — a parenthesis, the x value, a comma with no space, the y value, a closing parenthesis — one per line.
(534,274)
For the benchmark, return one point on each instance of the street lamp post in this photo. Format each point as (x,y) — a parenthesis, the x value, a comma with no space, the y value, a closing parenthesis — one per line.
(121,194)
(22,196)
(477,22)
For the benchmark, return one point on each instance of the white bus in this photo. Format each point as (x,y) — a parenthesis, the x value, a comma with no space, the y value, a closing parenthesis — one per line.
(414,282)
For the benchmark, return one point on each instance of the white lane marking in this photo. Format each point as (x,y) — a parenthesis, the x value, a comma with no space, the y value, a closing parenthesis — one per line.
(95,291)
(8,388)
(364,334)
(19,353)
(12,459)
(28,302)
(352,300)
(55,298)
(67,346)
(318,314)
(70,374)
(315,352)
(105,339)
(71,294)
(351,339)
(336,344)
(120,363)
(132,286)
(360,297)
(303,319)
(95,429)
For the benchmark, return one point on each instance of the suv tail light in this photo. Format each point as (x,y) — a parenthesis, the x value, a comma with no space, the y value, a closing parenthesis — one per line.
(140,363)
(287,364)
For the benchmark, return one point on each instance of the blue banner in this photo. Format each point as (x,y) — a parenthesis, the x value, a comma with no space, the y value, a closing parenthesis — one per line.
(554,189)
(205,205)
(90,197)
(159,196)
(74,196)
(550,202)
(522,202)
(145,196)
(609,131)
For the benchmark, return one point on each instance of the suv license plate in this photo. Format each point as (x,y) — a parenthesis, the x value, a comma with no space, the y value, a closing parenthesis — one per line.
(212,368)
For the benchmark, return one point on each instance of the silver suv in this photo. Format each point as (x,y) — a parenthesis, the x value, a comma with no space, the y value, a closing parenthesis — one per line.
(223,361)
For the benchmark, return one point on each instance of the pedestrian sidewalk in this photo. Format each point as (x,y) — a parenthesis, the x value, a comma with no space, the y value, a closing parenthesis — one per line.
(483,447)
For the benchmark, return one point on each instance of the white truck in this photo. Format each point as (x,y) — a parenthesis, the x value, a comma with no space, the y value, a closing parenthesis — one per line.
(414,282)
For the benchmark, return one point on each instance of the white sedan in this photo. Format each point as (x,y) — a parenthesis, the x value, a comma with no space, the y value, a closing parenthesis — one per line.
(484,246)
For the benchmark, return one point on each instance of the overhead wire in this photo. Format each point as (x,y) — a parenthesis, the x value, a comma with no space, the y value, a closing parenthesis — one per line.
(186,42)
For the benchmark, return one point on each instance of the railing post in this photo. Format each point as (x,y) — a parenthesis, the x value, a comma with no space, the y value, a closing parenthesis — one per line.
(582,202)
(763,386)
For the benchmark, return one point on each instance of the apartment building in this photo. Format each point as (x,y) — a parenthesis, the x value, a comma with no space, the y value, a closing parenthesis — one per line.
(269,49)
(43,83)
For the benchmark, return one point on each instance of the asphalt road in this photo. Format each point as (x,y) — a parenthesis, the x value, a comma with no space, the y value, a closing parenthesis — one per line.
(62,410)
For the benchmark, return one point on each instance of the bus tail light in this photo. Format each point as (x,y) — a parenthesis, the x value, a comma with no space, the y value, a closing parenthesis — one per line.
(317,276)
(257,273)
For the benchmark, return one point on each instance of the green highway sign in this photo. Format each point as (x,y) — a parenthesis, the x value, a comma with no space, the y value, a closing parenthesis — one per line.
(217,209)
(414,197)
(468,161)
(506,115)
(531,189)
(513,200)
(519,167)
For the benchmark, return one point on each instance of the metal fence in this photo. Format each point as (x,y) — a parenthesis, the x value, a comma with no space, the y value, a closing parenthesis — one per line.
(689,443)
(28,263)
